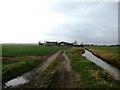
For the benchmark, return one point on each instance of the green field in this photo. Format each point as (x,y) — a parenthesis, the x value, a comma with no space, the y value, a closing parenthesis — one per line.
(19,58)
(107,53)
(25,50)
(92,76)
(110,49)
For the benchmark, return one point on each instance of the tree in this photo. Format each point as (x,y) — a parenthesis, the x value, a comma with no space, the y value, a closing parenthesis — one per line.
(40,43)
(82,45)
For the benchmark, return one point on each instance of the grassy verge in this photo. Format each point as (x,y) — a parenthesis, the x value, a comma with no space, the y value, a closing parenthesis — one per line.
(91,75)
(12,70)
(108,54)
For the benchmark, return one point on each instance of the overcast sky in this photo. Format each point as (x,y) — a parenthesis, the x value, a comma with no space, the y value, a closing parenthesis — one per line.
(23,21)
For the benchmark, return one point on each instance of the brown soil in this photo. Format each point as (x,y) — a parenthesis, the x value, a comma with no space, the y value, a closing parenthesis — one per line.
(61,76)
(65,77)
(38,76)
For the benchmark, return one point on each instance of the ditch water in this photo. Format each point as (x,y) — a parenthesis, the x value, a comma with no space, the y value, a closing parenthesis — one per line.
(115,72)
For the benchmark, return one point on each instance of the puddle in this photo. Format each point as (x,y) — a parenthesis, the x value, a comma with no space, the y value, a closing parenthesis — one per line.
(16,81)
(19,80)
(26,77)
(63,62)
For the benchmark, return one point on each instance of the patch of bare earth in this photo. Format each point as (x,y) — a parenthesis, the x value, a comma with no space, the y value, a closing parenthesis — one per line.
(55,72)
(38,77)
(65,77)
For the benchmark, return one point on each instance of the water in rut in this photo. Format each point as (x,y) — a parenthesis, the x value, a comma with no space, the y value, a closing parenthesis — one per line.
(61,76)
(25,78)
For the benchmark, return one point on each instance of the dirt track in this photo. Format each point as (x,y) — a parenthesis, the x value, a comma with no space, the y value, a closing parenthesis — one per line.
(65,77)
(59,76)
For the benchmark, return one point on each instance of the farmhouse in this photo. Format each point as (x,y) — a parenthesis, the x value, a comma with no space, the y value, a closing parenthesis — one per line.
(51,43)
(65,44)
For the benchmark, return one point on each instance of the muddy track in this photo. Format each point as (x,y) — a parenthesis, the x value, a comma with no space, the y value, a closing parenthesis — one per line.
(55,72)
(38,75)
(65,77)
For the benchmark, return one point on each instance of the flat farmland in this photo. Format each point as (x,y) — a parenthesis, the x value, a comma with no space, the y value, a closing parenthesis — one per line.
(19,58)
(25,50)
(52,67)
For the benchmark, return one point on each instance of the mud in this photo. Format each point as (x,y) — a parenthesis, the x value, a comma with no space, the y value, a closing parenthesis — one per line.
(65,77)
(60,76)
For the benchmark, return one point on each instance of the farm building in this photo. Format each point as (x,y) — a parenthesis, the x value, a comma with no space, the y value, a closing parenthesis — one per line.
(65,44)
(51,43)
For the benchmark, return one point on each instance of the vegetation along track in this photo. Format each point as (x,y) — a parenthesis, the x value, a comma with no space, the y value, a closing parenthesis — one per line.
(55,72)
(60,72)
(65,77)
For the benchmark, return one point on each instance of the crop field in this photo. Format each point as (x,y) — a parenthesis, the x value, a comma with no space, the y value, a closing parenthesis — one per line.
(25,50)
(17,59)
(110,49)
(108,53)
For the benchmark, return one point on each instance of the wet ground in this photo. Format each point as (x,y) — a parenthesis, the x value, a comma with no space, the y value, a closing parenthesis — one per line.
(65,77)
(60,76)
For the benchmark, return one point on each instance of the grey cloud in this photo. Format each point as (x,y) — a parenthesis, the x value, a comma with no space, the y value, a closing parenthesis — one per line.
(96,22)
